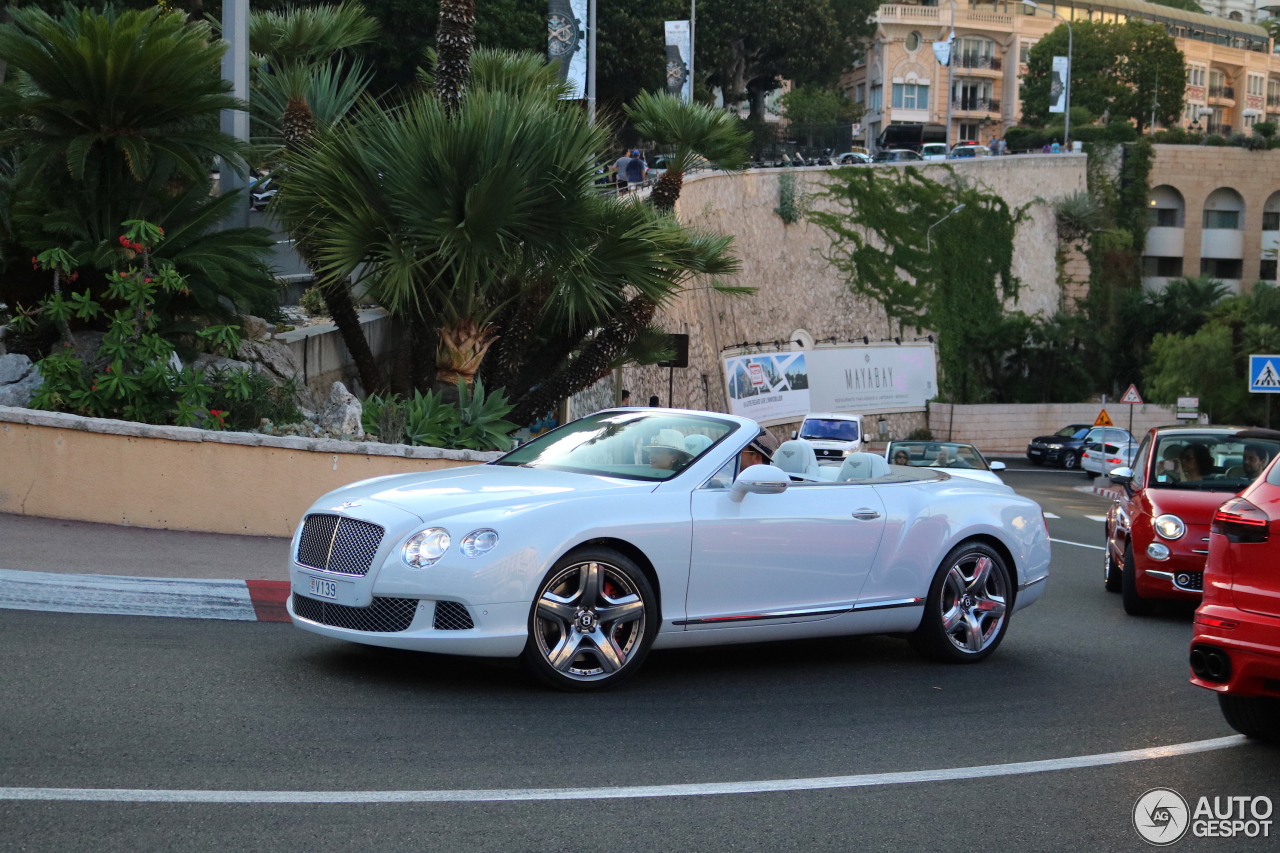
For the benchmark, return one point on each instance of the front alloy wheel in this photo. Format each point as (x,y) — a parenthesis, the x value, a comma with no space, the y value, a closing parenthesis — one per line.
(967,611)
(592,622)
(1070,460)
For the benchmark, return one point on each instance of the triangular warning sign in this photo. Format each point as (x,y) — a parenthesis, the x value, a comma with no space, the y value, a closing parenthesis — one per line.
(1268,377)
(1132,396)
(1103,419)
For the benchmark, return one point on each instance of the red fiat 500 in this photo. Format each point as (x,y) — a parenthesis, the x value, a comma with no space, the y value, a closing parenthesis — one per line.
(1158,533)
(1236,648)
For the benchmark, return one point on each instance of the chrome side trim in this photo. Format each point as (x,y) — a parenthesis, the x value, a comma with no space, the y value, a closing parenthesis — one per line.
(776,614)
(886,605)
(1026,584)
(1165,575)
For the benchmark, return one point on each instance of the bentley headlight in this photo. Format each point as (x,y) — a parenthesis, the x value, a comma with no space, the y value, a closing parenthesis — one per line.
(425,548)
(1170,526)
(479,542)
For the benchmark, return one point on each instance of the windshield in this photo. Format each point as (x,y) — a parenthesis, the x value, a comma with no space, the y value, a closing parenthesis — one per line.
(936,454)
(633,445)
(1208,462)
(1069,432)
(829,429)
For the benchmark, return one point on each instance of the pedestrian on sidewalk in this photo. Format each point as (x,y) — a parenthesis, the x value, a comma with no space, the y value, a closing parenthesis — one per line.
(637,168)
(620,171)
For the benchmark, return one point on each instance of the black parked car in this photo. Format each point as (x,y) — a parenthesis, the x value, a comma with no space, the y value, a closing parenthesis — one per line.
(1063,448)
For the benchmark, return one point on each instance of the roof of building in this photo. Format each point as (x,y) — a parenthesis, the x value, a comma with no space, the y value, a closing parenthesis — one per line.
(1172,15)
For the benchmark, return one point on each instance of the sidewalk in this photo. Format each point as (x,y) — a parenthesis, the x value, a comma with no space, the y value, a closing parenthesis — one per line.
(79,567)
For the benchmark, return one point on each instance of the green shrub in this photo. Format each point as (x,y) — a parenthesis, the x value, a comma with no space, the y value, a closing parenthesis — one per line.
(312,301)
(1215,140)
(920,434)
(1024,138)
(245,398)
(475,423)
(1265,129)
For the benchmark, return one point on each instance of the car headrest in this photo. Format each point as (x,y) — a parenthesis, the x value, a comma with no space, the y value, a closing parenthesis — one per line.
(797,457)
(862,466)
(696,443)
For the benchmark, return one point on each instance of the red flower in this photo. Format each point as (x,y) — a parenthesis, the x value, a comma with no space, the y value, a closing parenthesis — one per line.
(147,280)
(124,241)
(161,230)
(74,276)
(108,368)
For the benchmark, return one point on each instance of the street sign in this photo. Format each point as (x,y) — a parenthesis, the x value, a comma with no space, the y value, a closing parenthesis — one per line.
(1264,374)
(1188,408)
(1103,419)
(1132,397)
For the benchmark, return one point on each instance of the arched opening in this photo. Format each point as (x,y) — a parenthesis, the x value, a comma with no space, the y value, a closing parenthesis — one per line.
(1222,240)
(1166,218)
(1270,238)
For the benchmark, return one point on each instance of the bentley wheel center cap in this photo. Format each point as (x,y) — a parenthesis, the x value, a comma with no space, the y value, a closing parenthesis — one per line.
(968,602)
(586,621)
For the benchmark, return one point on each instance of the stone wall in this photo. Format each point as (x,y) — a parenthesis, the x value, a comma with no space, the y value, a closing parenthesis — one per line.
(797,289)
(323,358)
(1008,428)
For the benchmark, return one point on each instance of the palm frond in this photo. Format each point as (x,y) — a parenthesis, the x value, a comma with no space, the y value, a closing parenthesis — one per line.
(690,131)
(310,34)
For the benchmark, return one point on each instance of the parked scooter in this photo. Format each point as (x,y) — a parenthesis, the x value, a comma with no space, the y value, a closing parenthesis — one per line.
(260,191)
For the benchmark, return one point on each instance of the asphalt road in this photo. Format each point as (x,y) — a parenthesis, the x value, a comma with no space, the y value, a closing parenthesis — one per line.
(131,702)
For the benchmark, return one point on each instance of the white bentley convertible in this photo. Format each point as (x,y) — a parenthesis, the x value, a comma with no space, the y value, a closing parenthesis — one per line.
(640,528)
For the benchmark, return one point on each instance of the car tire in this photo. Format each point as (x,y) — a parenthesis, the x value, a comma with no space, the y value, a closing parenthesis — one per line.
(1257,717)
(1071,461)
(966,615)
(573,643)
(1111,579)
(1134,604)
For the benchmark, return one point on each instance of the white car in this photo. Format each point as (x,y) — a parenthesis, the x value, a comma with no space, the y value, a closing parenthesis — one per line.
(633,529)
(833,435)
(1099,459)
(961,460)
(934,151)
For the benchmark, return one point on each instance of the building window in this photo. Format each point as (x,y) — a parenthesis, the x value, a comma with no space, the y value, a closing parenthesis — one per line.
(913,41)
(859,93)
(1255,85)
(1222,219)
(1267,272)
(1222,267)
(1024,53)
(1271,221)
(1162,217)
(1153,267)
(876,99)
(968,132)
(910,96)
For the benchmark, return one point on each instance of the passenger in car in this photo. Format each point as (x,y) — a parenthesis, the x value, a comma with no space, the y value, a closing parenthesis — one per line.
(901,458)
(1196,463)
(1255,459)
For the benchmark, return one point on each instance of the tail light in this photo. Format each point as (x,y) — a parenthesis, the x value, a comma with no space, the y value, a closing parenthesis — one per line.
(1115,460)
(1241,521)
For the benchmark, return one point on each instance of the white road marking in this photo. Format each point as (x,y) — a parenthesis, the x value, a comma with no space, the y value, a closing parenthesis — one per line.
(144,795)
(125,596)
(1052,515)
(1079,544)
(1096,517)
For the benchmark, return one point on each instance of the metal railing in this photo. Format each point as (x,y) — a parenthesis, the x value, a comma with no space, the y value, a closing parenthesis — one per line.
(1273,100)
(1220,129)
(977,60)
(981,105)
(1222,92)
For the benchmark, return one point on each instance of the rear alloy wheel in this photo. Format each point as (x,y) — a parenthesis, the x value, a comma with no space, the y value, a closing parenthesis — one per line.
(1110,572)
(1134,604)
(592,622)
(1070,461)
(1252,716)
(967,611)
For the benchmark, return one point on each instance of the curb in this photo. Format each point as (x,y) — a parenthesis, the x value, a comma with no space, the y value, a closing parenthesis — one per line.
(121,595)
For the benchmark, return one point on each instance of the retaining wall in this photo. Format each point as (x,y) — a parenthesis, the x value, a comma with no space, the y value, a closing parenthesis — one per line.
(1008,428)
(323,357)
(179,478)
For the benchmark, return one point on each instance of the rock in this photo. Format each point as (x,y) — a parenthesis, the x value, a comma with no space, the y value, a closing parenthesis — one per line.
(277,360)
(13,368)
(254,328)
(20,393)
(342,412)
(208,363)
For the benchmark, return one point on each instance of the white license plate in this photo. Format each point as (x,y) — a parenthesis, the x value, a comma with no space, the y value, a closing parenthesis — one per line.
(324,589)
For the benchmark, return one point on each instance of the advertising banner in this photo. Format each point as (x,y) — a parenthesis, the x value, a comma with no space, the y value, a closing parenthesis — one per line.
(942,50)
(779,387)
(1058,85)
(567,42)
(678,81)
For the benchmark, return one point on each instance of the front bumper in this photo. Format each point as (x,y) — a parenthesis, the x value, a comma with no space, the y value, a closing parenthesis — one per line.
(1253,648)
(1040,453)
(1179,578)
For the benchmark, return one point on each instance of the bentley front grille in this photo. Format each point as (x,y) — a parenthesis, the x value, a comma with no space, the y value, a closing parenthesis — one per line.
(337,544)
(383,616)
(452,616)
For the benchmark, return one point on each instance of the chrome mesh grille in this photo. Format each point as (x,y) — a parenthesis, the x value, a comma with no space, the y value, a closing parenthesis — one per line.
(336,544)
(452,616)
(383,616)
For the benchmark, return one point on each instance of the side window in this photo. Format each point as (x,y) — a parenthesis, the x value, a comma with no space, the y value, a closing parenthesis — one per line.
(1140,463)
(723,478)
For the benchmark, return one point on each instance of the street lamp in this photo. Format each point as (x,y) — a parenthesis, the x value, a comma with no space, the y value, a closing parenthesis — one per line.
(928,234)
(1066,121)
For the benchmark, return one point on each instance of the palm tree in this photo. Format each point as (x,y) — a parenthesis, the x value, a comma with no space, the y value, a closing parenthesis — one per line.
(694,132)
(455,39)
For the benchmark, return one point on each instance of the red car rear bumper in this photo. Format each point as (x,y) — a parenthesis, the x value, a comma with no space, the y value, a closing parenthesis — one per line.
(1252,648)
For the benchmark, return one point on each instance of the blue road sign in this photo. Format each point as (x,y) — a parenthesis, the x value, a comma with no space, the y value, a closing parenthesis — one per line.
(1264,374)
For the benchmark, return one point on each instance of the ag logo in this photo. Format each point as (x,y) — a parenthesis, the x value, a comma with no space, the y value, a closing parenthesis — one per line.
(1161,816)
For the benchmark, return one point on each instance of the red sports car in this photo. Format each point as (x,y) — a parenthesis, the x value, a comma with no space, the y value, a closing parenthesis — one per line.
(1158,532)
(1236,648)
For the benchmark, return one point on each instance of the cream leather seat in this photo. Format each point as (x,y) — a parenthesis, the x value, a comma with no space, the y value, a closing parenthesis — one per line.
(798,459)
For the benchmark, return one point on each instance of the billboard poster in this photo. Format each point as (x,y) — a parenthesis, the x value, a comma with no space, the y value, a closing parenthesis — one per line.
(678,81)
(772,388)
(567,42)
(1058,85)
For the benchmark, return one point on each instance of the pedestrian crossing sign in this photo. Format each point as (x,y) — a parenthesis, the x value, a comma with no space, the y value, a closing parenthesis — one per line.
(1264,374)
(1103,419)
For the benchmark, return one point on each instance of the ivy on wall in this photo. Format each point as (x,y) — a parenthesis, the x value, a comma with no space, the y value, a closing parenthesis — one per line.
(790,198)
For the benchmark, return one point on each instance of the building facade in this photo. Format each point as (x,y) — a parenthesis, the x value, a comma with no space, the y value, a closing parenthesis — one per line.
(1233,73)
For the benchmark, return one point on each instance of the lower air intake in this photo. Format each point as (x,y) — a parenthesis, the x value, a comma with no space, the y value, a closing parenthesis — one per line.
(452,616)
(383,616)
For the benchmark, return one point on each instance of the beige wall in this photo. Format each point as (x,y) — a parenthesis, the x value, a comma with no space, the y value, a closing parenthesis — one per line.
(1008,428)
(798,289)
(84,469)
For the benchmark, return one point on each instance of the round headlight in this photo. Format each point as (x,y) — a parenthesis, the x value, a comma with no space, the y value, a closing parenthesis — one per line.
(426,547)
(1156,551)
(479,542)
(1170,526)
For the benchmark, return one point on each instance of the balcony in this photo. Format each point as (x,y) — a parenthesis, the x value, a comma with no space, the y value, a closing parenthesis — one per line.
(977,105)
(1220,129)
(977,60)
(1223,92)
(1273,102)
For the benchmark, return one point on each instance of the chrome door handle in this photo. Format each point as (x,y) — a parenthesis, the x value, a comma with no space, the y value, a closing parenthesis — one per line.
(866,514)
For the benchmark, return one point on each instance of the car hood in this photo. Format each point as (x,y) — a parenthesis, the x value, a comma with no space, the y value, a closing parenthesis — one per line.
(1191,506)
(435,494)
(1050,439)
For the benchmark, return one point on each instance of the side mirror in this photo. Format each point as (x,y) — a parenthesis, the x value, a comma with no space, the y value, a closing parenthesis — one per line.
(759,480)
(1121,476)
(998,466)
(795,434)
